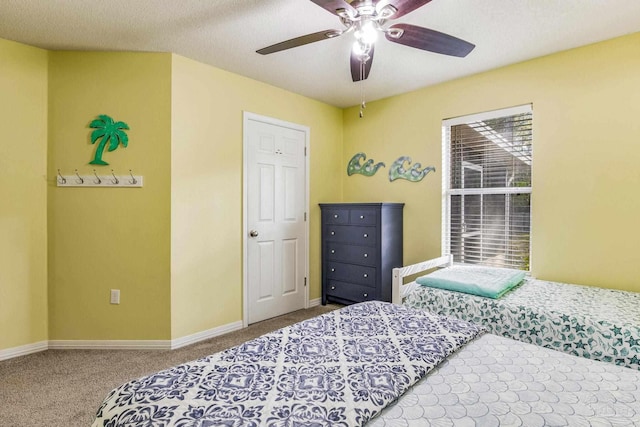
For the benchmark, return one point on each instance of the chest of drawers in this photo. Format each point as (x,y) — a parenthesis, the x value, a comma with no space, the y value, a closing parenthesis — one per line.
(361,244)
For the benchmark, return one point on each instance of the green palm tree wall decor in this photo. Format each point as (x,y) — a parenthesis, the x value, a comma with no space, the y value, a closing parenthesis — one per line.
(107,131)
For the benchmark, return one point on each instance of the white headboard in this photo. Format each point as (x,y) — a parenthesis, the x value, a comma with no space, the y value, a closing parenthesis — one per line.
(398,286)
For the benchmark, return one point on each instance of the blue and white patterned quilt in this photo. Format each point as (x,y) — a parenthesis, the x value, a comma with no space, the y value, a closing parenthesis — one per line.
(339,369)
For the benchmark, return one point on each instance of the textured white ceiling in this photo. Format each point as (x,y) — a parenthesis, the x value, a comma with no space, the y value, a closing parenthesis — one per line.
(226,34)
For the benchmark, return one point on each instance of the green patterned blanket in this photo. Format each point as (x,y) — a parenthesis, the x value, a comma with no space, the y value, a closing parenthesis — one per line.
(595,323)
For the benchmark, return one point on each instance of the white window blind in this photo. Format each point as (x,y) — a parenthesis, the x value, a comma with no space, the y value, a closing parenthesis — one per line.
(487,188)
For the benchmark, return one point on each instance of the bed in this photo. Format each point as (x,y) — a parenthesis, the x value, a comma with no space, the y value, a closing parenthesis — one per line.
(378,364)
(590,322)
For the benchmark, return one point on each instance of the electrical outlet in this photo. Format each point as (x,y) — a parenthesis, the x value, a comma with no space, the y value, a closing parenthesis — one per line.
(115,296)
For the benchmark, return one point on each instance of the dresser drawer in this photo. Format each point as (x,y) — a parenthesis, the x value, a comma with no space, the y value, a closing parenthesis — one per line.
(352,273)
(363,255)
(335,216)
(363,217)
(350,291)
(351,234)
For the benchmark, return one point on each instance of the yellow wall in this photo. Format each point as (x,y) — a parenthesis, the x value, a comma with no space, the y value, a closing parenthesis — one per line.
(206,186)
(23,195)
(156,244)
(586,170)
(110,238)
(177,240)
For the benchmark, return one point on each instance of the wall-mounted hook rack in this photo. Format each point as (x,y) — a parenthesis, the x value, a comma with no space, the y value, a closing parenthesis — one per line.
(99,180)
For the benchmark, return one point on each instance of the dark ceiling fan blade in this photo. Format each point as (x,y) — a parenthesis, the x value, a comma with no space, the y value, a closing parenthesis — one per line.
(357,71)
(336,6)
(430,40)
(299,41)
(403,6)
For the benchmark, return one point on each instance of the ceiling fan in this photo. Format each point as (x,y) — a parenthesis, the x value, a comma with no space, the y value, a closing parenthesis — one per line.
(366,19)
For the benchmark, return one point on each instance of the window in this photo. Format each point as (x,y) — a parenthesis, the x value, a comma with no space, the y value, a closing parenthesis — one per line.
(487,188)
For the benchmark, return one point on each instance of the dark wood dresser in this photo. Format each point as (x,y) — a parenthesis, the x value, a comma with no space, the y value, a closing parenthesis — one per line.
(361,244)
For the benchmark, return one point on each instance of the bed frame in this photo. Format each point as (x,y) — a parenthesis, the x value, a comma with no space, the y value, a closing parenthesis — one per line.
(399,289)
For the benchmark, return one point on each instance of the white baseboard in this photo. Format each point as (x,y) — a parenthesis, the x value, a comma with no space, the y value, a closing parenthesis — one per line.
(23,350)
(144,344)
(315,302)
(109,345)
(126,344)
(205,335)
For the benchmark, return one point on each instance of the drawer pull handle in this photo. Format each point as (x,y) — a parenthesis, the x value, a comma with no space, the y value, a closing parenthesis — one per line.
(333,288)
(365,275)
(333,251)
(335,216)
(361,216)
(366,255)
(365,295)
(333,233)
(333,270)
(366,235)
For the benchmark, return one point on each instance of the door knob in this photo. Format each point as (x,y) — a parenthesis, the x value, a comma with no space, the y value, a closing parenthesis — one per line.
(253,233)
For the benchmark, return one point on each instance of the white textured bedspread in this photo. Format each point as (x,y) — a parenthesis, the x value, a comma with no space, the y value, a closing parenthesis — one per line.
(496,381)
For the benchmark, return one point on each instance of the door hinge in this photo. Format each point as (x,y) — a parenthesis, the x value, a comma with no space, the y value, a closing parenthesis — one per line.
(305,150)
(305,216)
(305,281)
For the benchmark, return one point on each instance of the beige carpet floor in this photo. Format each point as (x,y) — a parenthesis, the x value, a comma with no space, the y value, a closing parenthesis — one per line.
(63,388)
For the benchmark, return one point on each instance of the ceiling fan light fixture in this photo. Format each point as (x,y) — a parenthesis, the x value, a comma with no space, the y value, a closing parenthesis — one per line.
(366,9)
(362,50)
(366,32)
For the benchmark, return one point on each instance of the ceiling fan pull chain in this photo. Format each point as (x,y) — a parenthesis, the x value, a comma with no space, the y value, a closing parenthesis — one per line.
(362,80)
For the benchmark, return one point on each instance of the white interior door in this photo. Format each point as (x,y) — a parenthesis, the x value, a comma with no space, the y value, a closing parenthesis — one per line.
(275,226)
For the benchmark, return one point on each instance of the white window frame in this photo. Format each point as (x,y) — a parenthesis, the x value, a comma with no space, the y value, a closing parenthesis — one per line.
(447,191)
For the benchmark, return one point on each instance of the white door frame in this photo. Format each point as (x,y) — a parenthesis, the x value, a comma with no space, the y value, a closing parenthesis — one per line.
(246,116)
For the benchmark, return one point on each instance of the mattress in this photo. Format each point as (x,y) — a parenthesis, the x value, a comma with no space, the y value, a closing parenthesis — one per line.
(376,364)
(590,322)
(496,381)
